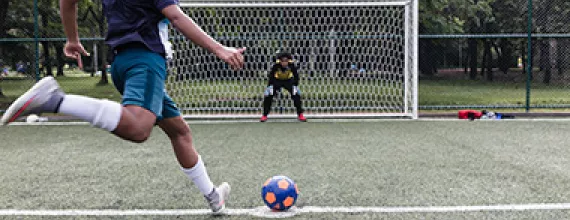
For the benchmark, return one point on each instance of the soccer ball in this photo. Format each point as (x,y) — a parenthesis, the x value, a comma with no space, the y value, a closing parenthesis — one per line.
(32,118)
(279,193)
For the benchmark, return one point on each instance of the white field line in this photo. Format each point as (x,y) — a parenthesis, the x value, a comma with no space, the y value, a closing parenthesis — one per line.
(317,120)
(265,212)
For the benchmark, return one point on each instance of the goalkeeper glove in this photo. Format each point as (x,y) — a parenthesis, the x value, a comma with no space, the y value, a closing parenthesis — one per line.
(268,90)
(296,90)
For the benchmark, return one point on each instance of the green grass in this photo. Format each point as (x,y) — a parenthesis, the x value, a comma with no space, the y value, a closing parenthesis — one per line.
(250,93)
(405,163)
(466,92)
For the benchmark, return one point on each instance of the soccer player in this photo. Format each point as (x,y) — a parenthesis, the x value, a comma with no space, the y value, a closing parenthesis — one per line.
(137,33)
(283,75)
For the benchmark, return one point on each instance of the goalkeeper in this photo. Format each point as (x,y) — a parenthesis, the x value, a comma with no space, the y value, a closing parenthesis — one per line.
(283,75)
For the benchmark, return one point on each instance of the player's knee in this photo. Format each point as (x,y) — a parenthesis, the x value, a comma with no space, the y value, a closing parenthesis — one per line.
(137,126)
(139,136)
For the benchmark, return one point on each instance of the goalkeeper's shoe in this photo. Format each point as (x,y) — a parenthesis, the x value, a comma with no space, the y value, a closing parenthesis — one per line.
(302,118)
(44,96)
(263,119)
(217,199)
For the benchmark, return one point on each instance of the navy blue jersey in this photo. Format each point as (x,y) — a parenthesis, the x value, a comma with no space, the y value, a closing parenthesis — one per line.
(137,21)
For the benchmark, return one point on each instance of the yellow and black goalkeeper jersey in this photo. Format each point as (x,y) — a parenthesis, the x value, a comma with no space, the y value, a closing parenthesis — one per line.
(280,73)
(283,74)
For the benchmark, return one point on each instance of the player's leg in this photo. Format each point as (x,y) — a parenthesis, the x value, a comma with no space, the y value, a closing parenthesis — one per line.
(299,106)
(181,138)
(47,97)
(269,93)
(132,122)
(296,96)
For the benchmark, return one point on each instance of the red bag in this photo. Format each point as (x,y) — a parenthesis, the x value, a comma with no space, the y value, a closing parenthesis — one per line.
(469,114)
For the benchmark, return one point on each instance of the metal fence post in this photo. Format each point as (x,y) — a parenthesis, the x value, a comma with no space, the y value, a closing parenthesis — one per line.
(529,56)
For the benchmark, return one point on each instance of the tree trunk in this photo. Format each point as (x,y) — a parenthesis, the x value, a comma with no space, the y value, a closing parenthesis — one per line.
(472,51)
(4,5)
(523,57)
(104,51)
(559,59)
(505,55)
(488,61)
(60,60)
(545,61)
(465,61)
(485,57)
(104,79)
(562,55)
(47,59)
(45,44)
(94,57)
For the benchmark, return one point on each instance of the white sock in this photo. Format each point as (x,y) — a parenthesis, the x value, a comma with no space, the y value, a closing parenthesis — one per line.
(200,177)
(100,113)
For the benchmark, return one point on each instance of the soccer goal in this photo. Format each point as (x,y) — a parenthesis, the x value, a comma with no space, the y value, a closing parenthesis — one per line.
(355,59)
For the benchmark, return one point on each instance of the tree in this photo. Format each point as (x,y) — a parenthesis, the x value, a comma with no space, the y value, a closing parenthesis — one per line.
(4,5)
(438,17)
(509,15)
(45,12)
(478,13)
(15,21)
(94,15)
(552,17)
(51,27)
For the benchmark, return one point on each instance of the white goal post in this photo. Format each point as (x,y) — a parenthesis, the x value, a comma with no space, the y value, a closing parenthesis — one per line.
(355,59)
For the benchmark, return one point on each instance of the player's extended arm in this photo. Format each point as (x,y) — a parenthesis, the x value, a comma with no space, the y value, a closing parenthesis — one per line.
(68,11)
(192,31)
(73,48)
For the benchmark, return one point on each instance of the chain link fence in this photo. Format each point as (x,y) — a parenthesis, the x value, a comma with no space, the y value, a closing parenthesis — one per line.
(473,54)
(31,47)
(485,63)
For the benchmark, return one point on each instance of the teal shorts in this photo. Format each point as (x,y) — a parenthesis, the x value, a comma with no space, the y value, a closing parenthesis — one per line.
(139,75)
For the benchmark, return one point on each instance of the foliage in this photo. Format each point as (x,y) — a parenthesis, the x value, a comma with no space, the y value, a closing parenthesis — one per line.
(436,17)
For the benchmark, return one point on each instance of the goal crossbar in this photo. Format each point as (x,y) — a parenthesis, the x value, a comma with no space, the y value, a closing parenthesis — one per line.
(293,4)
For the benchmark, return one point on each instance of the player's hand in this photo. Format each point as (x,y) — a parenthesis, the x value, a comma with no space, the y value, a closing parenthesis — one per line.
(232,56)
(74,51)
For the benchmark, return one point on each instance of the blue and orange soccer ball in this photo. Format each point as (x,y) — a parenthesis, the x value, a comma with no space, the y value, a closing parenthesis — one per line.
(279,193)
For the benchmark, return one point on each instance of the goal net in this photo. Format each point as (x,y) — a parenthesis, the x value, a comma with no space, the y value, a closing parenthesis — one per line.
(355,59)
